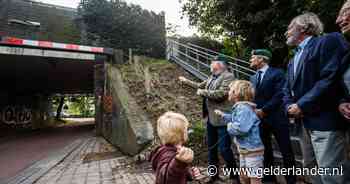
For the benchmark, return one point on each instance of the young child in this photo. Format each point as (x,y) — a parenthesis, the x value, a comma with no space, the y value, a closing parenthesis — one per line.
(171,160)
(243,125)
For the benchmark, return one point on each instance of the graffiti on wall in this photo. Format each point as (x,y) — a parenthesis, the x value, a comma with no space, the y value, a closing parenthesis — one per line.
(16,115)
(107,103)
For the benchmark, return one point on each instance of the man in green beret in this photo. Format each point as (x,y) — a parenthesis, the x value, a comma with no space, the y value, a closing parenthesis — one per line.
(268,83)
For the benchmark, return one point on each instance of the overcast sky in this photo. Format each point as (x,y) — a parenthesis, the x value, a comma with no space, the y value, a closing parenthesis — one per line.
(172,9)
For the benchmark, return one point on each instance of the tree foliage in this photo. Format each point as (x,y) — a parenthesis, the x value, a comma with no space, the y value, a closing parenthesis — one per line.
(81,106)
(76,106)
(261,23)
(65,30)
(203,42)
(120,25)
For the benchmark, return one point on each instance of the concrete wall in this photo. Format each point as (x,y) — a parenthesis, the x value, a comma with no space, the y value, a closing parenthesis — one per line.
(121,121)
(53,19)
(23,112)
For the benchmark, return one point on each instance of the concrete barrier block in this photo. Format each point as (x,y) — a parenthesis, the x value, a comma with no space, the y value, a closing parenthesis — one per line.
(130,127)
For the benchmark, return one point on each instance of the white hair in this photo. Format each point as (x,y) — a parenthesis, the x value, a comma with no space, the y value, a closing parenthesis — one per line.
(221,63)
(346,5)
(310,23)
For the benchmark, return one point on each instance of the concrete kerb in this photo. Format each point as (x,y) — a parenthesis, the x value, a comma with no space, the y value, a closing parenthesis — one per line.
(35,171)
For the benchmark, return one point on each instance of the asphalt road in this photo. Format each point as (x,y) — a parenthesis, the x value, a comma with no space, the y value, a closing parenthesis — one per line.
(20,150)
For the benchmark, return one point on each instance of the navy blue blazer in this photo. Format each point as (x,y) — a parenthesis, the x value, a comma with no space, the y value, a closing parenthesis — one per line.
(316,87)
(269,94)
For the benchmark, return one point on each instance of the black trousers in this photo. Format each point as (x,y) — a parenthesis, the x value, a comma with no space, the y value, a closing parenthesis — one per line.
(281,133)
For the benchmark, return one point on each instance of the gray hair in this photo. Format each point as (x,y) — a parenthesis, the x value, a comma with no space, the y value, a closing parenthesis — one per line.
(346,5)
(310,23)
(222,64)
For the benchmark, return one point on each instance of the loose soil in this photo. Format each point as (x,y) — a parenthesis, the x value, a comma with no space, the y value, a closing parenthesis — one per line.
(154,85)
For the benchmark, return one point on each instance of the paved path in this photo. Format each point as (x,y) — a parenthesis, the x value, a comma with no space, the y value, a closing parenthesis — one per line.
(76,169)
(89,160)
(17,152)
(95,161)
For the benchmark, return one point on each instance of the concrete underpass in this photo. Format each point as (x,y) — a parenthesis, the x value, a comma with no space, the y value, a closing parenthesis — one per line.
(30,75)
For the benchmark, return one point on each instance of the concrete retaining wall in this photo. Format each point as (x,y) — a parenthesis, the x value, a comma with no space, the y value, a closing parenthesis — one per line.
(123,123)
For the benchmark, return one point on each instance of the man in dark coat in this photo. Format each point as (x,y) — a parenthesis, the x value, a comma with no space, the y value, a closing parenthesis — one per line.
(312,93)
(268,83)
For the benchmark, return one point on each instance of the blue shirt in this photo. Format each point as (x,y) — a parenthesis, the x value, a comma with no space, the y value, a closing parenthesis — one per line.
(243,126)
(299,52)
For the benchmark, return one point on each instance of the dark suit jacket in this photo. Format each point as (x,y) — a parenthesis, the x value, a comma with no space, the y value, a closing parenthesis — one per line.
(316,87)
(345,67)
(268,96)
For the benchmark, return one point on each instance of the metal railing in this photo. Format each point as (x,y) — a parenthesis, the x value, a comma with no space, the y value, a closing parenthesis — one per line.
(196,60)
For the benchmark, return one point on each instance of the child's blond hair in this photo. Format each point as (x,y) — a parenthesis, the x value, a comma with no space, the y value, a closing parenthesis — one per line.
(172,128)
(243,89)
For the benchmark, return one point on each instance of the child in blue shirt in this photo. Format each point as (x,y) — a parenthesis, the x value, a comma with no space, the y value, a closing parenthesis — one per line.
(243,126)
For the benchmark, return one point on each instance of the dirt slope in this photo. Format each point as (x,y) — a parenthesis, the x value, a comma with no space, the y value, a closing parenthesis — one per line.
(155,86)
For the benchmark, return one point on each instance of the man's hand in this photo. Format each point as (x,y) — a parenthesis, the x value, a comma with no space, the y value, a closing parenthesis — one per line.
(182,79)
(294,110)
(261,114)
(184,155)
(201,92)
(219,113)
(344,109)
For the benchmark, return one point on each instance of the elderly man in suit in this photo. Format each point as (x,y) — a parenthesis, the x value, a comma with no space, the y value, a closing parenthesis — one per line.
(343,20)
(215,91)
(268,83)
(311,94)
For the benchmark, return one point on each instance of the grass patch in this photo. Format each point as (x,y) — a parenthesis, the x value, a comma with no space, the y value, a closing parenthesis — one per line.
(197,134)
(156,62)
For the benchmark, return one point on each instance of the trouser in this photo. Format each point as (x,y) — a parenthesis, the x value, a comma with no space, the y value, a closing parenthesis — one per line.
(218,138)
(281,134)
(347,164)
(324,149)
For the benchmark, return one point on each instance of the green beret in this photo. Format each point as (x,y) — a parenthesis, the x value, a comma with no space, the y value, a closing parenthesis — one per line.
(262,53)
(222,58)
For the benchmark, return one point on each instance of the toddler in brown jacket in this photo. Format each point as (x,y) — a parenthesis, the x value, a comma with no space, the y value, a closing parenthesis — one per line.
(171,161)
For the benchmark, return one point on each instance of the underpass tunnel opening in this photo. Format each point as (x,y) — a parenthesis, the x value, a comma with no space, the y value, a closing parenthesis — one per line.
(72,107)
(31,86)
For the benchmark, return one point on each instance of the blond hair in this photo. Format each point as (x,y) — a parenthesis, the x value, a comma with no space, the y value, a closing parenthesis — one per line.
(172,128)
(242,89)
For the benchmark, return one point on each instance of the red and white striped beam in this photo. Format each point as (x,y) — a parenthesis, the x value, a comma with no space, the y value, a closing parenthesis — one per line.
(51,45)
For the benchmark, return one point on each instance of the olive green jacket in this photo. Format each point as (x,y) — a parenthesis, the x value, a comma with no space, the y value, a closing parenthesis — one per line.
(217,95)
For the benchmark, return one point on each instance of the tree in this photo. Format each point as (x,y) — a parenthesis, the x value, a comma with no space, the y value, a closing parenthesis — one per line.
(261,23)
(81,106)
(65,30)
(203,42)
(120,25)
(59,108)
(172,30)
